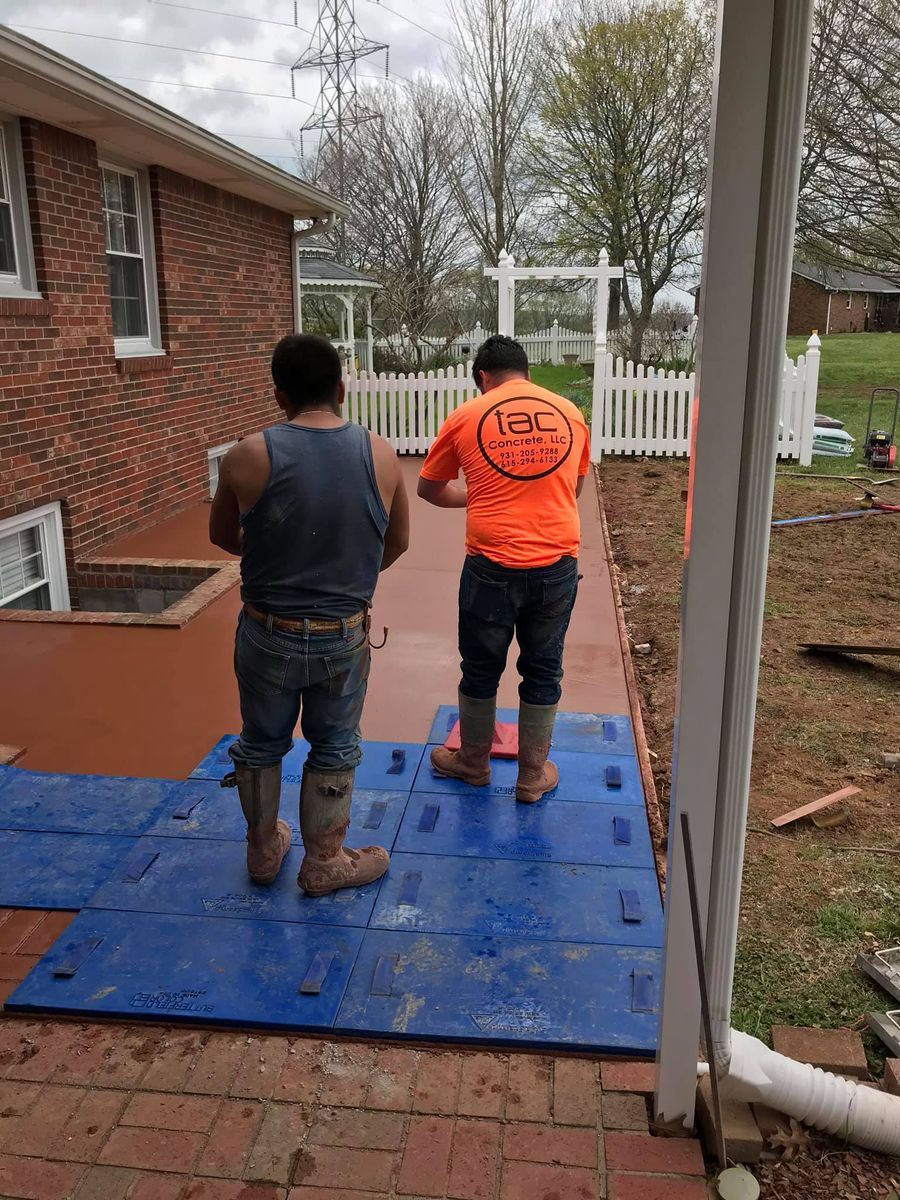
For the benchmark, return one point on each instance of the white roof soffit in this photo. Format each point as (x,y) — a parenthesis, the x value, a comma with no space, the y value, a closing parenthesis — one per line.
(38,82)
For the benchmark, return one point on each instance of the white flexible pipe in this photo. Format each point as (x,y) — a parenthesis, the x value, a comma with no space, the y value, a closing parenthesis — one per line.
(864,1116)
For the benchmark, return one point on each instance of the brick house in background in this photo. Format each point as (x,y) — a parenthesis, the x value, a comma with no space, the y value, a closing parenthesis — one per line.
(145,273)
(835,300)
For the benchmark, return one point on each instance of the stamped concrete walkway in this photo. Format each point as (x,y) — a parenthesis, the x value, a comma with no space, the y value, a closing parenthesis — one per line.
(141,1112)
(151,702)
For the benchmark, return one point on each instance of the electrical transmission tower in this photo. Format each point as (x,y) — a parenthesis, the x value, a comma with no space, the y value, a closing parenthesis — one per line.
(335,48)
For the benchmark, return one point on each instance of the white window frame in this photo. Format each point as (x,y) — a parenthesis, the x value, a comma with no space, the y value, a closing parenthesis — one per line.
(213,463)
(849,299)
(865,301)
(49,521)
(23,284)
(141,347)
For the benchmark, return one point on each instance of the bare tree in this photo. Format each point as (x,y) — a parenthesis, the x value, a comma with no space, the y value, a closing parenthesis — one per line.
(493,78)
(850,180)
(622,147)
(406,227)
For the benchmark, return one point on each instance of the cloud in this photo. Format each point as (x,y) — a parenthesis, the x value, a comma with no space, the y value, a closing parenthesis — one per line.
(260,123)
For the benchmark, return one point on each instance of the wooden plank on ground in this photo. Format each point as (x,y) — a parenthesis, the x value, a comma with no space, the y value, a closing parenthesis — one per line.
(837,648)
(815,806)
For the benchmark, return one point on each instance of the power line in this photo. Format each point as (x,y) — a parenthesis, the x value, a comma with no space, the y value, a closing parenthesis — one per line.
(103,37)
(215,12)
(206,87)
(403,17)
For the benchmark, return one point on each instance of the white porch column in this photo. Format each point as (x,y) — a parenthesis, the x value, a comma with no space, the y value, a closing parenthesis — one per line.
(761,69)
(370,336)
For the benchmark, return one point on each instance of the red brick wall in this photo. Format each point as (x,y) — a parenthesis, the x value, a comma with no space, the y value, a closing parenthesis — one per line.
(121,450)
(808,307)
(852,319)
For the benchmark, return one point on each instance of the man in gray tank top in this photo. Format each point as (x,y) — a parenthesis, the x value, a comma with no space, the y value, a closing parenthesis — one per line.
(315,507)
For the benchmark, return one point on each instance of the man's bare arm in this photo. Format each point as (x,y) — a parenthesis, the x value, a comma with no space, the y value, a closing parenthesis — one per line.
(442,493)
(396,536)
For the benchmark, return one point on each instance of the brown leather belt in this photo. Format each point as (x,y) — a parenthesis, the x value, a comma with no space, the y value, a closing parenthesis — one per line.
(312,624)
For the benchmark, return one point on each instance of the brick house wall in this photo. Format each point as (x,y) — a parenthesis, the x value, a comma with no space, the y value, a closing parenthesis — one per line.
(852,319)
(808,307)
(123,444)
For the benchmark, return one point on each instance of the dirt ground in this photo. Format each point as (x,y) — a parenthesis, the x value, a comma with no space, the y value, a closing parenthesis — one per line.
(810,903)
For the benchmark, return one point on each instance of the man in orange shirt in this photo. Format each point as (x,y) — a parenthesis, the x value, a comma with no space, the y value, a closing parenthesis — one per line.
(524,453)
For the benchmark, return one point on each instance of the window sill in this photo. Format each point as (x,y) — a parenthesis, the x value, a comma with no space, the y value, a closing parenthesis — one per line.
(141,364)
(23,304)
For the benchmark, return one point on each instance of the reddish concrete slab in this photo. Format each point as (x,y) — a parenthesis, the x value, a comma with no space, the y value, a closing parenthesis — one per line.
(144,701)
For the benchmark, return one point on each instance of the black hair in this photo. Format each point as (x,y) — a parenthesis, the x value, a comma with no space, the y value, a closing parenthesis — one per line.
(499,353)
(307,369)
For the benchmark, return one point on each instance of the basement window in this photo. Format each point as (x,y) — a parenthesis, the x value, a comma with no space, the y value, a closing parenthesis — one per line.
(33,562)
(214,462)
(17,276)
(130,261)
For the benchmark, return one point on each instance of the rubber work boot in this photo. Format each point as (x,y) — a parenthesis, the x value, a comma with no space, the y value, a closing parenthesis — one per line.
(472,761)
(324,816)
(268,839)
(537,775)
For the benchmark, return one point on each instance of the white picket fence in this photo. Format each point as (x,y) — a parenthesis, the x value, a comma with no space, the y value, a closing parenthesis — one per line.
(638,410)
(648,412)
(407,410)
(546,346)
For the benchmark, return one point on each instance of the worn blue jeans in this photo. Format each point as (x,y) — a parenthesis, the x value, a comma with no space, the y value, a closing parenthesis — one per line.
(321,678)
(535,604)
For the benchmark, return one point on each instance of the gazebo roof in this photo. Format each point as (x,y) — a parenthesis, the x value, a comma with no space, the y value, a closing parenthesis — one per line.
(319,269)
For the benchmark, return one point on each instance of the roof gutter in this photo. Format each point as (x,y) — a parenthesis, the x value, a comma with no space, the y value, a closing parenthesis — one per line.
(70,78)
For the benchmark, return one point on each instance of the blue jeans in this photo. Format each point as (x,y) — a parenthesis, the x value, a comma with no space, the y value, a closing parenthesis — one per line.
(535,604)
(321,678)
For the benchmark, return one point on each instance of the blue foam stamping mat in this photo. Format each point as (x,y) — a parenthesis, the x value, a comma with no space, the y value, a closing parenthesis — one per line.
(100,804)
(557,902)
(592,733)
(198,878)
(269,974)
(590,778)
(56,870)
(385,766)
(504,990)
(554,831)
(202,808)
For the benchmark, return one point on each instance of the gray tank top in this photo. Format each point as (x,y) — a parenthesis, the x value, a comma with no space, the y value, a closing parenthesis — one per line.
(313,541)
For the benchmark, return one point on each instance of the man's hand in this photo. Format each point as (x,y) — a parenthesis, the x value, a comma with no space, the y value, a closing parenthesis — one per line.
(442,493)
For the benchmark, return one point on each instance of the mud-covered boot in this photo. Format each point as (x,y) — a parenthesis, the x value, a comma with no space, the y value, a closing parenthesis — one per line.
(268,839)
(537,775)
(472,761)
(324,816)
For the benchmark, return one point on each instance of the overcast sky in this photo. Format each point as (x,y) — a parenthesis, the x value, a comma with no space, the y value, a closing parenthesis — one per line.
(259,123)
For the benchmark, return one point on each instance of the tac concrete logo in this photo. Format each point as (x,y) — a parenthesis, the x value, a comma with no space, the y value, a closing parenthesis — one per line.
(524,438)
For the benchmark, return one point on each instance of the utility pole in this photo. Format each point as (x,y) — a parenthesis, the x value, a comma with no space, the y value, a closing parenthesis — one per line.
(335,48)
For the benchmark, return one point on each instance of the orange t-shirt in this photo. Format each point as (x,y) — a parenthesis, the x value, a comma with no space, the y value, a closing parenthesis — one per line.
(522,450)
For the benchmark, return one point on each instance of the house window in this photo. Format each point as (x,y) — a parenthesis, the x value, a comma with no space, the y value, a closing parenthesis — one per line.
(849,299)
(130,262)
(214,460)
(17,276)
(865,301)
(33,561)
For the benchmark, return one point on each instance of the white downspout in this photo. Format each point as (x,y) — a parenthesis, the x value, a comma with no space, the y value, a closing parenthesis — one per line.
(828,315)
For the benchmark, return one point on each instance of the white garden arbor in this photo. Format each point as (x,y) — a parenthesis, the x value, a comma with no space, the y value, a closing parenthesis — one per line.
(507,273)
(317,273)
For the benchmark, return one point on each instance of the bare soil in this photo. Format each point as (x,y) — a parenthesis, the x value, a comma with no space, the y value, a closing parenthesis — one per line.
(810,904)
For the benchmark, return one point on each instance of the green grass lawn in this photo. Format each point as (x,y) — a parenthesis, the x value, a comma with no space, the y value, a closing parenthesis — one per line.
(852,365)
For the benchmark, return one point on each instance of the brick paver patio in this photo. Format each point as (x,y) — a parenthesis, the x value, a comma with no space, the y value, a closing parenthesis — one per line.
(144,1112)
